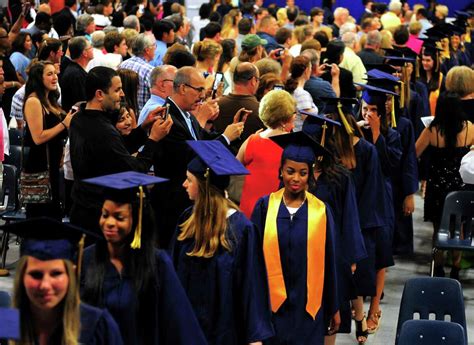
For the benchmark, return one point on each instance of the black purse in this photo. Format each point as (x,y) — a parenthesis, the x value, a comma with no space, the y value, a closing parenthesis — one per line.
(35,188)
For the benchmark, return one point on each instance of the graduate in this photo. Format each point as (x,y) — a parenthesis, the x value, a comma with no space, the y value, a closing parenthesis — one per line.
(217,253)
(404,181)
(299,249)
(335,186)
(387,142)
(46,289)
(127,275)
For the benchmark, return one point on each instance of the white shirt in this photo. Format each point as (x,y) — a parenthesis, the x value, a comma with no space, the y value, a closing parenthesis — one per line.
(467,168)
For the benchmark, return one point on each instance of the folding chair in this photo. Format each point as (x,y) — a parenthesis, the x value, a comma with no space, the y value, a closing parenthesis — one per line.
(14,158)
(5,300)
(458,212)
(439,296)
(431,332)
(15,135)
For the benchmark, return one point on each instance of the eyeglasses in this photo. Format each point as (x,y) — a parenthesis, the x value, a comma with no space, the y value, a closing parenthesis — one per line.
(168,80)
(198,89)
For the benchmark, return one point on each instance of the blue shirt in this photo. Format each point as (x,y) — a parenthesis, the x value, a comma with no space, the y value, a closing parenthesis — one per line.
(20,62)
(272,44)
(152,103)
(317,88)
(160,52)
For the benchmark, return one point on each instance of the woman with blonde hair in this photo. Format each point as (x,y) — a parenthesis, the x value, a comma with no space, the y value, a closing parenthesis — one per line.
(460,80)
(261,155)
(282,17)
(217,253)
(207,54)
(46,291)
(229,24)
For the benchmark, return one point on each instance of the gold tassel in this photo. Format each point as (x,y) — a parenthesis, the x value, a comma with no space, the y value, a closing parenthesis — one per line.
(346,124)
(402,94)
(137,238)
(323,137)
(80,252)
(394,121)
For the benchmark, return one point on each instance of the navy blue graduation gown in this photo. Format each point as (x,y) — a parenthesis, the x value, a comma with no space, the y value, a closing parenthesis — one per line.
(175,322)
(228,292)
(417,108)
(98,327)
(293,325)
(340,196)
(405,182)
(370,194)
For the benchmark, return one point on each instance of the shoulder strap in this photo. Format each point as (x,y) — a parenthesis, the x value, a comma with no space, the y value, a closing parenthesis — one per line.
(467,130)
(23,140)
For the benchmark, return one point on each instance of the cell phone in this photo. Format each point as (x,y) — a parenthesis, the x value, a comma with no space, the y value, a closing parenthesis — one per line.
(279,53)
(74,108)
(217,80)
(141,9)
(278,87)
(167,112)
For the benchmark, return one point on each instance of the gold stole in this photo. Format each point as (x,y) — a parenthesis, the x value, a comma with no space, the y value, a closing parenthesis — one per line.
(315,250)
(433,97)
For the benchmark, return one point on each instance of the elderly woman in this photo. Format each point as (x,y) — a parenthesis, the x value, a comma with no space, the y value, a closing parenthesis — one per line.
(85,26)
(46,290)
(259,154)
(460,80)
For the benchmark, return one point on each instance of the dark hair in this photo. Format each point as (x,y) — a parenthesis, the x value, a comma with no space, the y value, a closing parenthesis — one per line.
(129,80)
(298,66)
(334,51)
(77,45)
(111,40)
(70,3)
(247,8)
(99,78)
(139,264)
(47,46)
(62,24)
(211,30)
(18,45)
(301,20)
(215,17)
(161,27)
(181,58)
(282,35)
(35,84)
(42,19)
(422,12)
(315,11)
(205,10)
(228,49)
(401,35)
(450,118)
(322,38)
(292,13)
(245,26)
(267,81)
(433,84)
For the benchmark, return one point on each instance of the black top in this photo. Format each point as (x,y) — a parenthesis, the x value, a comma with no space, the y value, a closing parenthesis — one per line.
(98,149)
(370,57)
(10,75)
(468,107)
(346,82)
(73,85)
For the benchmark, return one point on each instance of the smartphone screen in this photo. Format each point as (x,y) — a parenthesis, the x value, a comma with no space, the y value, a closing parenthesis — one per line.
(167,112)
(218,79)
(278,87)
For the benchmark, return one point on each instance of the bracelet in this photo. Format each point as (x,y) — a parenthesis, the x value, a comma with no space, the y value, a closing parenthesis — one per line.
(63,125)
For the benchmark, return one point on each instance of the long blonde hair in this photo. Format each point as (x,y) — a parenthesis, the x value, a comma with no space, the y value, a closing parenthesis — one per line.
(70,307)
(207,225)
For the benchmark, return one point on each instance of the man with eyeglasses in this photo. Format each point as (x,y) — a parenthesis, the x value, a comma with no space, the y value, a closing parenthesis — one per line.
(173,154)
(161,87)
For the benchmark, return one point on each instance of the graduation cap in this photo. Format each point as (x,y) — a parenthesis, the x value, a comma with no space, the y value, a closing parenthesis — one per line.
(126,188)
(315,122)
(381,67)
(375,95)
(437,31)
(299,147)
(399,60)
(340,106)
(10,324)
(214,163)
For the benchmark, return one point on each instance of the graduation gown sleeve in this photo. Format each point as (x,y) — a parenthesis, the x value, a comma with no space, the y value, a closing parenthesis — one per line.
(98,327)
(389,151)
(409,163)
(177,322)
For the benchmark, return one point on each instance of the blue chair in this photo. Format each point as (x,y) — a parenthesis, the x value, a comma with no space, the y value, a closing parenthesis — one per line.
(456,228)
(438,296)
(5,300)
(431,332)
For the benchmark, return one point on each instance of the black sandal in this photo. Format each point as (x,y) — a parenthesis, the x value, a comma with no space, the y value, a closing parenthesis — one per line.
(361,330)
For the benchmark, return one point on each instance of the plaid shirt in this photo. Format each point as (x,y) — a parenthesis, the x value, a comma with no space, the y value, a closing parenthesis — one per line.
(143,68)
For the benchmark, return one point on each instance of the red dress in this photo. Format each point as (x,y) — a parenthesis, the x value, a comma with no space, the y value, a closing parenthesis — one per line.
(262,158)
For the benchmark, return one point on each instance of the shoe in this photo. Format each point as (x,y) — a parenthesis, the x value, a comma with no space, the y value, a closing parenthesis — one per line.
(361,331)
(454,273)
(375,318)
(439,271)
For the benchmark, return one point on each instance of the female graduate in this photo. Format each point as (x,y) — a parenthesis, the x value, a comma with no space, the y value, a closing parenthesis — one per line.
(298,244)
(128,276)
(360,157)
(387,142)
(335,186)
(405,180)
(218,256)
(46,291)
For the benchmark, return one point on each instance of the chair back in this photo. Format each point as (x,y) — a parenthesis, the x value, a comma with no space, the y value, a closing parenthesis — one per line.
(431,332)
(442,297)
(5,300)
(14,158)
(456,222)
(9,188)
(15,135)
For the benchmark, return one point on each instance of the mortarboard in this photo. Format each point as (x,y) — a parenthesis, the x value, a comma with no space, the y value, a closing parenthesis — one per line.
(340,106)
(315,123)
(214,163)
(373,94)
(399,60)
(299,147)
(391,83)
(381,67)
(10,324)
(127,187)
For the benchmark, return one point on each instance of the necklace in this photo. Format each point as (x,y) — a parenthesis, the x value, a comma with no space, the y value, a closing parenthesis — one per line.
(284,202)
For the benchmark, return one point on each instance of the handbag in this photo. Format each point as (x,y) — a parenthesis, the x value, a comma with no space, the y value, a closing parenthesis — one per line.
(35,188)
